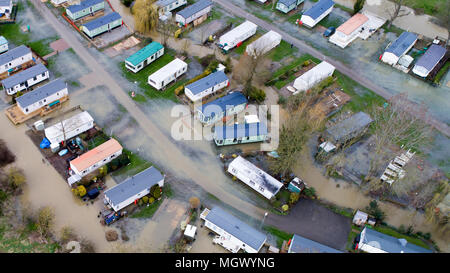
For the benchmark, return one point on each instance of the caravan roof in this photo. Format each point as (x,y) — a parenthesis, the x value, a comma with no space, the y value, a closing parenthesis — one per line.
(13,54)
(194,8)
(99,22)
(353,23)
(167,70)
(24,76)
(70,124)
(349,126)
(83,5)
(230,35)
(41,93)
(431,57)
(209,81)
(144,53)
(403,42)
(319,8)
(240,130)
(301,244)
(230,100)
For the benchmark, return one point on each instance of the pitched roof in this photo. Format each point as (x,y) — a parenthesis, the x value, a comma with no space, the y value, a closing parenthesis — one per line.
(207,82)
(301,244)
(163,3)
(390,244)
(83,5)
(353,23)
(134,185)
(14,54)
(232,225)
(4,3)
(240,130)
(97,154)
(319,8)
(144,53)
(230,100)
(287,3)
(168,69)
(194,8)
(102,21)
(431,57)
(24,75)
(403,42)
(349,126)
(41,93)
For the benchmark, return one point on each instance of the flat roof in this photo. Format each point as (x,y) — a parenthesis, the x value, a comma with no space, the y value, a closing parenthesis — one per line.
(209,81)
(431,57)
(240,130)
(83,5)
(13,54)
(353,23)
(168,69)
(232,225)
(230,100)
(144,53)
(194,8)
(301,244)
(319,8)
(134,185)
(24,75)
(402,43)
(41,93)
(101,21)
(97,154)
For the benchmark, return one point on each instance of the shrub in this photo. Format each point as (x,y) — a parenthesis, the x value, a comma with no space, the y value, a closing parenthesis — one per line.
(179,90)
(427,236)
(285,207)
(277,204)
(155,191)
(140,203)
(6,156)
(206,60)
(257,95)
(111,235)
(145,199)
(293,197)
(306,63)
(45,220)
(359,4)
(310,192)
(228,65)
(127,3)
(195,202)
(281,100)
(151,200)
(374,210)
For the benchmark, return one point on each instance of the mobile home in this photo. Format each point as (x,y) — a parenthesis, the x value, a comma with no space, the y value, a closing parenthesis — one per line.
(58,2)
(194,12)
(429,60)
(25,79)
(399,48)
(264,44)
(313,76)
(165,6)
(240,133)
(6,8)
(102,24)
(228,105)
(3,44)
(167,74)
(69,128)
(349,31)
(42,96)
(86,7)
(94,159)
(14,59)
(237,35)
(286,6)
(316,13)
(206,86)
(254,177)
(233,234)
(144,57)
(134,188)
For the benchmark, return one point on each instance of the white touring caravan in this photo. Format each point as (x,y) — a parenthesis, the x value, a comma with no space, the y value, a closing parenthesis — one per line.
(69,128)
(237,35)
(167,74)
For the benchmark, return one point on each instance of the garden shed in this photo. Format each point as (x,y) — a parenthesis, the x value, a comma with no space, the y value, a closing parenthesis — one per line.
(313,76)
(317,12)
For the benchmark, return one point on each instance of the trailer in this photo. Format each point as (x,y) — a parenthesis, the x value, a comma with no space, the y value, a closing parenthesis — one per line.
(69,128)
(237,35)
(264,44)
(167,74)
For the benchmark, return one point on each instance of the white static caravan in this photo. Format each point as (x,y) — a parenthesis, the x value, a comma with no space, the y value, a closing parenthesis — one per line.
(349,31)
(254,177)
(316,13)
(6,8)
(167,74)
(69,128)
(42,96)
(313,76)
(264,44)
(25,79)
(237,35)
(206,86)
(399,48)
(58,2)
(14,58)
(194,12)
(3,44)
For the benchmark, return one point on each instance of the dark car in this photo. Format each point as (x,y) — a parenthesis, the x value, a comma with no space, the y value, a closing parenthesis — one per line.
(330,31)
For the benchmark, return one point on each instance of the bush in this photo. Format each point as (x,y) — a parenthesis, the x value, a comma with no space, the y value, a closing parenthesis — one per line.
(207,60)
(310,192)
(6,156)
(293,198)
(111,235)
(127,3)
(179,90)
(145,199)
(228,65)
(45,220)
(306,63)
(285,207)
(257,95)
(155,191)
(140,203)
(375,211)
(151,200)
(281,100)
(359,4)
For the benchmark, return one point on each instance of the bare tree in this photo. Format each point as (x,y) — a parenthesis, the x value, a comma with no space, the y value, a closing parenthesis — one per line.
(443,16)
(166,29)
(186,46)
(397,11)
(400,123)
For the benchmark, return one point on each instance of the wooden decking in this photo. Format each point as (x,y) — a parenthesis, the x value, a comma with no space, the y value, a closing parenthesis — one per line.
(17,69)
(17,116)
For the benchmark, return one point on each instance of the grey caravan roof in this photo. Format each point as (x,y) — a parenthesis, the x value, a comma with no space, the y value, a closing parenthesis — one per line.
(134,185)
(301,244)
(41,93)
(4,3)
(240,130)
(14,54)
(99,22)
(24,75)
(236,227)
(83,5)
(403,42)
(319,8)
(207,82)
(391,244)
(287,3)
(433,55)
(349,126)
(194,8)
(164,3)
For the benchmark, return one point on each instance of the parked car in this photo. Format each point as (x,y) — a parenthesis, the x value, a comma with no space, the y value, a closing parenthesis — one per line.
(330,31)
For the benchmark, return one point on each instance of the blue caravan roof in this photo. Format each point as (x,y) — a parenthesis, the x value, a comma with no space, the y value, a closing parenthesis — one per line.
(319,8)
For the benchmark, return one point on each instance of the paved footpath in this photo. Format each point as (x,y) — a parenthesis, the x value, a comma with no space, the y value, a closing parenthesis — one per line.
(440,126)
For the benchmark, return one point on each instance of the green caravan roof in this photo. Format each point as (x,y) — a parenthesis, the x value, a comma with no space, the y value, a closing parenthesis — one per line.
(144,53)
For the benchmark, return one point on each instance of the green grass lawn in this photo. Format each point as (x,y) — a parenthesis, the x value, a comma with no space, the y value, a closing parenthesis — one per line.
(142,77)
(147,212)
(429,7)
(279,234)
(327,22)
(291,19)
(279,84)
(281,51)
(241,49)
(442,73)
(137,165)
(358,102)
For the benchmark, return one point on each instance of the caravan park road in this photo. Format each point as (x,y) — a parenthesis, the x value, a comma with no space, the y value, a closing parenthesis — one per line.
(152,131)
(353,74)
